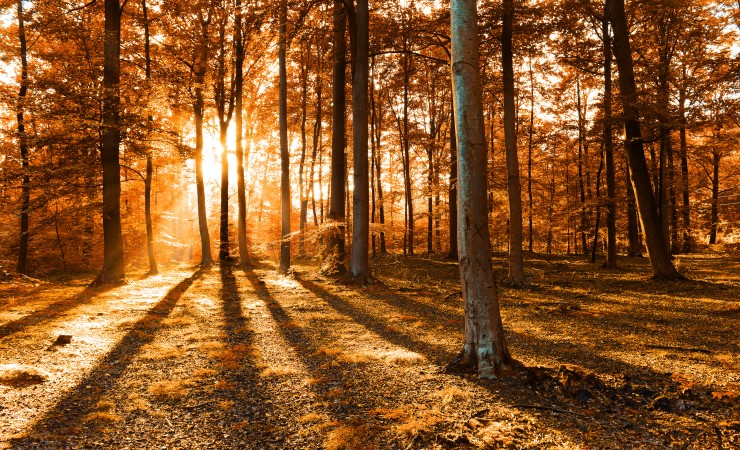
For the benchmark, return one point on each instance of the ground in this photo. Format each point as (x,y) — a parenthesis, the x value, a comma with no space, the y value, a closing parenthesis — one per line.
(226,358)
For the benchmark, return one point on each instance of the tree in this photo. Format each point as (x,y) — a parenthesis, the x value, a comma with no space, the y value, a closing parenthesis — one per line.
(484,348)
(239,92)
(149,163)
(660,258)
(359,267)
(284,154)
(22,142)
(113,269)
(336,253)
(516,260)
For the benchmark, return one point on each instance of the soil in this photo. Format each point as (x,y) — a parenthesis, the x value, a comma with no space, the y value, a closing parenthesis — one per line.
(232,358)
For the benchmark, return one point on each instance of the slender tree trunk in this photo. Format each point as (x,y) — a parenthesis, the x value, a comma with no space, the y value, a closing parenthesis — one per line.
(597,221)
(336,255)
(316,137)
(238,122)
(716,156)
(284,155)
(430,186)
(529,151)
(611,190)
(406,155)
(484,347)
(377,121)
(149,162)
(516,261)
(359,266)
(225,107)
(581,184)
(301,185)
(452,193)
(660,258)
(23,144)
(113,268)
(686,210)
(198,111)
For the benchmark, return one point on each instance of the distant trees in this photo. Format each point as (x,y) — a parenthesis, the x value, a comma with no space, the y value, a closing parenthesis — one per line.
(203,61)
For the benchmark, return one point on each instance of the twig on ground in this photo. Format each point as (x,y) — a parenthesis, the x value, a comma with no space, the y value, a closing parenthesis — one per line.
(198,405)
(549,408)
(683,349)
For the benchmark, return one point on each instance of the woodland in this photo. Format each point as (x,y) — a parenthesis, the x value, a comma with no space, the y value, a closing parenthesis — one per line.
(348,224)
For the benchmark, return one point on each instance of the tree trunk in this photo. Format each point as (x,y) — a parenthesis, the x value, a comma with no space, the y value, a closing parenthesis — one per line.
(611,191)
(406,154)
(225,107)
(239,92)
(484,347)
(660,258)
(336,254)
(23,144)
(284,155)
(529,151)
(516,261)
(301,167)
(633,232)
(581,184)
(198,111)
(377,121)
(686,210)
(715,197)
(359,266)
(113,269)
(452,193)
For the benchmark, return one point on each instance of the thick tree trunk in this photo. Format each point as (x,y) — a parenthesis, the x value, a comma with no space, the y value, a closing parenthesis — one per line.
(484,348)
(198,111)
(336,254)
(23,144)
(452,193)
(660,258)
(359,265)
(241,219)
(284,155)
(611,188)
(633,232)
(113,269)
(516,261)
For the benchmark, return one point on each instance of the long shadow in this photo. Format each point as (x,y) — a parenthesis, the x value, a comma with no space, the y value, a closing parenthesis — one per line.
(52,311)
(439,355)
(334,379)
(81,400)
(251,401)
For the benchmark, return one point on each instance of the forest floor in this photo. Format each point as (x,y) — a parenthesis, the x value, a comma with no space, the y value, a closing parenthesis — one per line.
(225,358)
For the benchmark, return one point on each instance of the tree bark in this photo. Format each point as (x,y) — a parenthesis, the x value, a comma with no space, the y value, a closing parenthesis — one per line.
(238,122)
(611,191)
(199,69)
(660,258)
(359,265)
(336,253)
(113,268)
(484,347)
(284,155)
(23,144)
(714,218)
(452,193)
(516,261)
(686,209)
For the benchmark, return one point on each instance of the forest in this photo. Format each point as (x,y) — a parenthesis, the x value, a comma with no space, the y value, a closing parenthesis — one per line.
(367,224)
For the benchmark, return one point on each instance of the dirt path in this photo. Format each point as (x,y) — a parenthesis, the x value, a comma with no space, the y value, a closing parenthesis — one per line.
(231,359)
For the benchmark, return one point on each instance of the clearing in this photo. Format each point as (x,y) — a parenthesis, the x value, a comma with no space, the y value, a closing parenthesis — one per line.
(226,358)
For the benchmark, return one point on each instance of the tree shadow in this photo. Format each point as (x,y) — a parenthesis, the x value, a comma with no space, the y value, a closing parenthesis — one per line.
(438,354)
(68,414)
(251,402)
(52,311)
